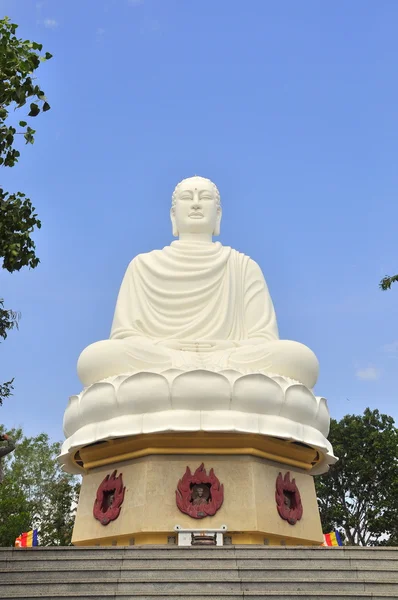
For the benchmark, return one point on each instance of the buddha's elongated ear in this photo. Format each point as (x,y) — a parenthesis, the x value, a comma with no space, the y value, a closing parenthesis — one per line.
(218,221)
(173,222)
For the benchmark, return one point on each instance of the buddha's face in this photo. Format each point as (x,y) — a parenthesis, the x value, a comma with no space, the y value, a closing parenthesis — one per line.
(196,209)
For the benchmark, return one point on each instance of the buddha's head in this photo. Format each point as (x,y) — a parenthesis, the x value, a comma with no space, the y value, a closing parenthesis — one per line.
(196,207)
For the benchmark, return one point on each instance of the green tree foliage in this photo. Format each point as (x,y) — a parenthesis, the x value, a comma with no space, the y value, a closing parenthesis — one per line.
(15,515)
(8,320)
(360,492)
(6,390)
(19,90)
(387,281)
(36,493)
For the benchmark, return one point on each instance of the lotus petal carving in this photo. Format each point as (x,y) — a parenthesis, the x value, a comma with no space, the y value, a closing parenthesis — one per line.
(197,400)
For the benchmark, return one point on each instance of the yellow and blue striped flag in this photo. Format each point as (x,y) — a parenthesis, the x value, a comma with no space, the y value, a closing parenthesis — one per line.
(27,539)
(332,539)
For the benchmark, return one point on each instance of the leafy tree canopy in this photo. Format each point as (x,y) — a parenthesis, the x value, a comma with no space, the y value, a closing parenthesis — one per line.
(19,91)
(36,493)
(360,492)
(387,281)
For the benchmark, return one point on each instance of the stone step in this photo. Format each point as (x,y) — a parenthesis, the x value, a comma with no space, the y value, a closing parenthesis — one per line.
(228,596)
(204,574)
(22,561)
(156,552)
(318,595)
(255,572)
(188,586)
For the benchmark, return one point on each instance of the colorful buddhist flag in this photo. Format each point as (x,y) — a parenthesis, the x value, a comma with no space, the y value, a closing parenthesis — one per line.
(332,539)
(26,540)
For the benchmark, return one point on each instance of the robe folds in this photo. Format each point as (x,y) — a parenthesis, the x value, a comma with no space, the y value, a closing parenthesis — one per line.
(194,291)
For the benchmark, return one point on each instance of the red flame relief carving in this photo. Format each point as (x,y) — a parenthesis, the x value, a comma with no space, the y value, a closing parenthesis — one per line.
(199,495)
(109,499)
(288,499)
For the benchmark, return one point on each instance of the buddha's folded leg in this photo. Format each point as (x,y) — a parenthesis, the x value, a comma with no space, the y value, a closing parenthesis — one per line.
(279,357)
(115,357)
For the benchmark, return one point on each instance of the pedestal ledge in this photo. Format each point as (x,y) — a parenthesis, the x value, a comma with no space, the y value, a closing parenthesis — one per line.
(196,401)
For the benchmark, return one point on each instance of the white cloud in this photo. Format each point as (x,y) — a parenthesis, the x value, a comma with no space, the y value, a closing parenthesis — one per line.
(391,349)
(50,23)
(368,374)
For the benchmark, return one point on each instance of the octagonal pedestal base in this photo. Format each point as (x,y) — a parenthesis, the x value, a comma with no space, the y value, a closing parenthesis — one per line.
(149,512)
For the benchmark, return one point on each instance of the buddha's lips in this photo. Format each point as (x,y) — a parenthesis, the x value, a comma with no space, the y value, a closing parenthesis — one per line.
(195,215)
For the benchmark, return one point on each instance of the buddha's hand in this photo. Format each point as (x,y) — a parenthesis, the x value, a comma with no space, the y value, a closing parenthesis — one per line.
(200,345)
(197,345)
(173,344)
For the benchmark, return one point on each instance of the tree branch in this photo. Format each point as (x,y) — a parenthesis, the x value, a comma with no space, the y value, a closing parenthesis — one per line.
(387,281)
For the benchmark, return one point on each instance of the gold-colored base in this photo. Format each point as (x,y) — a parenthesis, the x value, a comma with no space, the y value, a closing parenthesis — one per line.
(202,443)
(149,512)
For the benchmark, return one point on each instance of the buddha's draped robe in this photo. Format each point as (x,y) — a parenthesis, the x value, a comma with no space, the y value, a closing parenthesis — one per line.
(195,292)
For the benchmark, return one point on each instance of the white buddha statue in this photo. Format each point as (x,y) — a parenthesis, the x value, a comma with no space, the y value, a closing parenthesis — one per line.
(195,305)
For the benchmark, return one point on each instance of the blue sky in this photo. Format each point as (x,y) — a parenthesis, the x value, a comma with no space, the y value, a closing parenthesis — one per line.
(290,107)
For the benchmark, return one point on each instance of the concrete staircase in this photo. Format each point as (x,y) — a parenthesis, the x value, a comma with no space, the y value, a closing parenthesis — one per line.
(229,572)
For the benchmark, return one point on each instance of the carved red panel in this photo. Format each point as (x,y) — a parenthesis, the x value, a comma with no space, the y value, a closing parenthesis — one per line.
(109,499)
(199,495)
(288,499)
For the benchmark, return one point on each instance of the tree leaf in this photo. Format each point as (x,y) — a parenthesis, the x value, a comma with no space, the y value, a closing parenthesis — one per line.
(34,110)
